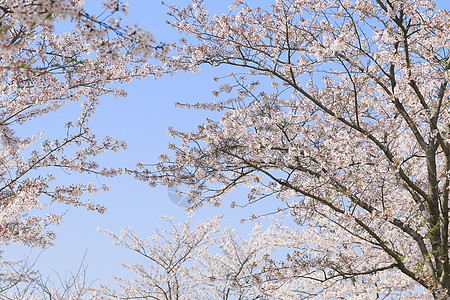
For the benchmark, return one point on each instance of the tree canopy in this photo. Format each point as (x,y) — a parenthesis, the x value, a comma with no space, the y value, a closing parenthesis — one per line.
(352,136)
(336,111)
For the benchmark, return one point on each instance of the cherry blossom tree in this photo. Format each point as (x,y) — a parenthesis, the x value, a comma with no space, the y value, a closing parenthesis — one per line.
(340,110)
(205,261)
(171,274)
(41,71)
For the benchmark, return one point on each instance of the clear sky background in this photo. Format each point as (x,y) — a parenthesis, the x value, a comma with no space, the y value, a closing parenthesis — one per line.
(142,119)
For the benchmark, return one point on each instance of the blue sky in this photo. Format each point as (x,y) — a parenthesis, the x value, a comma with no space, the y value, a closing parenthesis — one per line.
(142,120)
